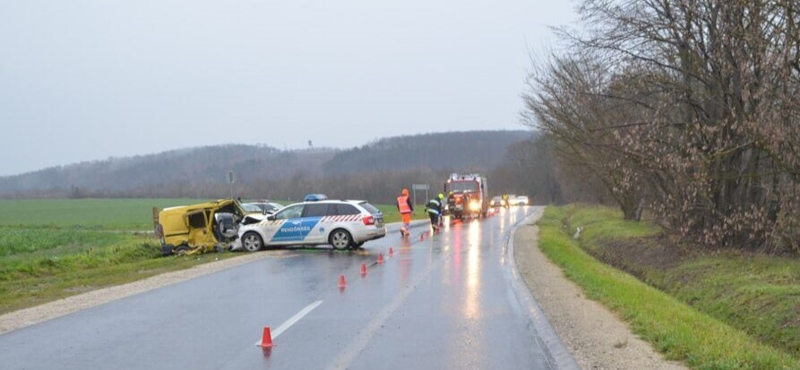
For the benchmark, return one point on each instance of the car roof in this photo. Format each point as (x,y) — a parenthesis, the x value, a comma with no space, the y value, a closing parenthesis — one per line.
(336,201)
(329,201)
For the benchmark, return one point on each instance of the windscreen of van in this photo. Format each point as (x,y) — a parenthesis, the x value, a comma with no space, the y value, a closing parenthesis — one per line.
(461,186)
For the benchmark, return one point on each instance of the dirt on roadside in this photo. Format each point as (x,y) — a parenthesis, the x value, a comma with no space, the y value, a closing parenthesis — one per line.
(596,337)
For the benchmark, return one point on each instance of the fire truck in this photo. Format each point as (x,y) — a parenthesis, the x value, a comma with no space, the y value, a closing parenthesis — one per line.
(467,195)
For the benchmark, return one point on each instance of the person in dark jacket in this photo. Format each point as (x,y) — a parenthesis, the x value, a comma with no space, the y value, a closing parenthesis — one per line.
(434,208)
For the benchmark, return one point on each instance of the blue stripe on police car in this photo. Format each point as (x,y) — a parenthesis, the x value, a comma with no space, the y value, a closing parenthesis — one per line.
(296,229)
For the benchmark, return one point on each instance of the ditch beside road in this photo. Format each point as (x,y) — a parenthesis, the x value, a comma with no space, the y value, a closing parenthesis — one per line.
(596,337)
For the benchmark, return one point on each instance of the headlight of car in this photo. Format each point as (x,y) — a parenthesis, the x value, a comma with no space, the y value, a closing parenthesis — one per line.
(474,205)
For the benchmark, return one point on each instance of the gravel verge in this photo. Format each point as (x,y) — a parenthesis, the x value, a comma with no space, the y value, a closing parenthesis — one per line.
(34,315)
(597,338)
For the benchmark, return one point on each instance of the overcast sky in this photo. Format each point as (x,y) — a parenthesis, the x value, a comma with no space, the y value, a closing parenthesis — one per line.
(87,80)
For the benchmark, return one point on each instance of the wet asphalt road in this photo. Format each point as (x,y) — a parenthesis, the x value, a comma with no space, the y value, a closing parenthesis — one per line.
(442,303)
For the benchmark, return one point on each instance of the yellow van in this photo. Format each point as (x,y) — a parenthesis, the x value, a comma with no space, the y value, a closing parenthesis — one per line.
(198,228)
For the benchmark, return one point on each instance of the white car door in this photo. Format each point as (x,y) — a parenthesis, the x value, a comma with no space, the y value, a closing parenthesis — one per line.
(312,230)
(286,227)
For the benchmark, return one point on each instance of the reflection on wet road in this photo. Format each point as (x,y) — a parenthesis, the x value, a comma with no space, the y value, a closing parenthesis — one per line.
(444,302)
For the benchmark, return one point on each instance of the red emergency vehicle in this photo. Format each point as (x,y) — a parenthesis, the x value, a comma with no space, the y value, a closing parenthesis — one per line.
(467,195)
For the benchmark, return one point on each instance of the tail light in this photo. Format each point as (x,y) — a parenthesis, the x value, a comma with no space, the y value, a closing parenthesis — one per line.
(368,220)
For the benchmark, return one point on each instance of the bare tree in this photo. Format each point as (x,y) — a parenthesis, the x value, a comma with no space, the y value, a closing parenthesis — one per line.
(701,99)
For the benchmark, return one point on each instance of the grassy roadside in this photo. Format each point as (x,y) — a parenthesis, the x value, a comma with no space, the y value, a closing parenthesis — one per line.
(95,260)
(390,213)
(676,329)
(51,249)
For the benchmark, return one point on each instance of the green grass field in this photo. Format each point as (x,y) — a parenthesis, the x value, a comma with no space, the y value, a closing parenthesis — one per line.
(51,249)
(120,214)
(707,321)
(117,214)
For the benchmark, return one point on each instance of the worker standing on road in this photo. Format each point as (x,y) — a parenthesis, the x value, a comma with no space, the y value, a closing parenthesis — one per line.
(505,201)
(406,208)
(434,208)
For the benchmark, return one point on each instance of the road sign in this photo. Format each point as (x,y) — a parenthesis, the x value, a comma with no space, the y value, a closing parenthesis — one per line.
(415,187)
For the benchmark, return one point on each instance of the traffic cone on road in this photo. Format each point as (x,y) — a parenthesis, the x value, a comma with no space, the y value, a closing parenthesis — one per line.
(391,252)
(421,236)
(363,269)
(380,258)
(266,338)
(342,283)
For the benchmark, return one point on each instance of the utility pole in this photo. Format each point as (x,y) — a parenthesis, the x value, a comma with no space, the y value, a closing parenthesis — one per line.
(231,181)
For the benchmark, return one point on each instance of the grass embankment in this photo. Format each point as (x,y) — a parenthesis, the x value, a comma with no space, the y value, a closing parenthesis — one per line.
(51,249)
(709,321)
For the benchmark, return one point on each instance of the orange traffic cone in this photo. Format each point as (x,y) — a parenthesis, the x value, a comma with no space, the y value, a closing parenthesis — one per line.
(391,252)
(363,269)
(421,236)
(380,258)
(266,338)
(342,283)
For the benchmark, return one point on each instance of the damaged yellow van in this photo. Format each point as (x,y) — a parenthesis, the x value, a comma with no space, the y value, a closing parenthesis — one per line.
(198,228)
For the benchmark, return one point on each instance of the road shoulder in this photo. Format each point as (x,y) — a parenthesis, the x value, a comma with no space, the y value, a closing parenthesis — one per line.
(596,337)
(51,310)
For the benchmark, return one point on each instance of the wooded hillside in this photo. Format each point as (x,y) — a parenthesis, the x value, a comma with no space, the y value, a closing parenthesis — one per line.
(373,171)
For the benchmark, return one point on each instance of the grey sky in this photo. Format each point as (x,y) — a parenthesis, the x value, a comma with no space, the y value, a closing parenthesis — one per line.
(85,80)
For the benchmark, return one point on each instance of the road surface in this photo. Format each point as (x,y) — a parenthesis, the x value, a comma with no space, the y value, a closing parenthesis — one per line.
(444,302)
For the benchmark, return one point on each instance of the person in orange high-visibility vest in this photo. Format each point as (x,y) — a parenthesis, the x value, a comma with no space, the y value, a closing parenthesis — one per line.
(405,207)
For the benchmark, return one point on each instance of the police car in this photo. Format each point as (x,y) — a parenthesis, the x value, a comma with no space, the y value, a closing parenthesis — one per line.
(340,223)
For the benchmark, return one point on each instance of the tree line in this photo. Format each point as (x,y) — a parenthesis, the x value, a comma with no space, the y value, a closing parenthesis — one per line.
(685,108)
(376,171)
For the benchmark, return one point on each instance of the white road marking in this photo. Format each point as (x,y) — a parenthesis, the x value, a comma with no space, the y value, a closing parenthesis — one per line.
(357,345)
(293,320)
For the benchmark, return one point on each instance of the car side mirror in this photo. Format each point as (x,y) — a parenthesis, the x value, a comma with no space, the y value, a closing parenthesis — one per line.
(271,218)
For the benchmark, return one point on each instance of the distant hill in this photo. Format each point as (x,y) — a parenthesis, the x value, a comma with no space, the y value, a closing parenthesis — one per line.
(201,171)
(478,151)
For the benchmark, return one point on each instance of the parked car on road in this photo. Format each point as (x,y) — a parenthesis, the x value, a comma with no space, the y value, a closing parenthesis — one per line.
(512,199)
(340,223)
(496,202)
(522,200)
(264,208)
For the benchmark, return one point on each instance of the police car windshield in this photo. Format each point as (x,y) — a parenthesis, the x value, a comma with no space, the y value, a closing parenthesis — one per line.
(290,212)
(462,186)
(251,207)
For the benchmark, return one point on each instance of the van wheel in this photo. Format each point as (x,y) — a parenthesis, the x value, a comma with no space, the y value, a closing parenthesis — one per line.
(252,242)
(340,239)
(182,250)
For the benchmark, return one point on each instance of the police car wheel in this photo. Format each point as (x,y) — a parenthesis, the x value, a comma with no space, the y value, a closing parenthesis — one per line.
(252,242)
(340,239)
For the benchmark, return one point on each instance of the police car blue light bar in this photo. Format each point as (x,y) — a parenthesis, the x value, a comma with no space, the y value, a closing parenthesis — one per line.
(314,197)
